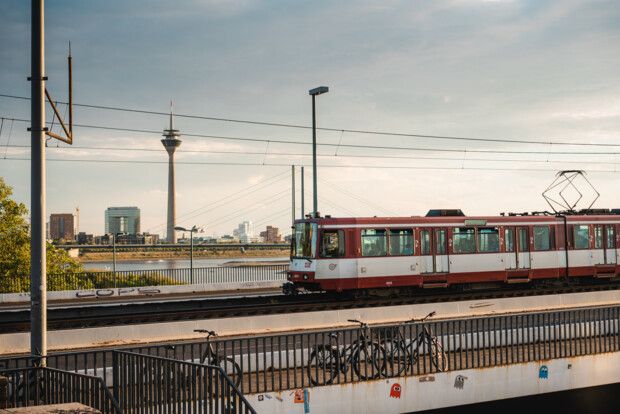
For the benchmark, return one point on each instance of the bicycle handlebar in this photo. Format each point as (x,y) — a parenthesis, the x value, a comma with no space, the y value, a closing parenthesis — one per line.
(362,324)
(211,333)
(430,315)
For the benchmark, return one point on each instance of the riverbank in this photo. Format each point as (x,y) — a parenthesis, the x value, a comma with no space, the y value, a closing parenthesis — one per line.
(90,257)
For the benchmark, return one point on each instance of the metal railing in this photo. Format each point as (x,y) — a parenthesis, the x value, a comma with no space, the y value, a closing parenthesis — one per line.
(42,386)
(149,384)
(161,277)
(304,359)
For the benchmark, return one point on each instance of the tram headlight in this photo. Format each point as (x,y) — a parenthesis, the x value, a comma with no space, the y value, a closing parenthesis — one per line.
(305,276)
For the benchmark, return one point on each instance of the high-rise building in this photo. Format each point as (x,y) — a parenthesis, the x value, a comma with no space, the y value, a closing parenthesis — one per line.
(271,235)
(171,142)
(244,232)
(61,227)
(125,220)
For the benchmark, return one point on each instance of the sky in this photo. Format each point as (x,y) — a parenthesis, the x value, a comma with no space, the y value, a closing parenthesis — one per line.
(543,71)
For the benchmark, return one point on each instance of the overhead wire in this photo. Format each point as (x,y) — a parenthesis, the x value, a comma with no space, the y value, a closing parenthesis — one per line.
(359,198)
(236,195)
(306,127)
(288,165)
(331,145)
(203,211)
(299,154)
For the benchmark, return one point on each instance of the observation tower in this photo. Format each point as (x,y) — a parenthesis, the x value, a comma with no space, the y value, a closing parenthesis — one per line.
(171,142)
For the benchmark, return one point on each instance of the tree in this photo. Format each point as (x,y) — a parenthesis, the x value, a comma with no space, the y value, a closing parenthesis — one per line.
(15,251)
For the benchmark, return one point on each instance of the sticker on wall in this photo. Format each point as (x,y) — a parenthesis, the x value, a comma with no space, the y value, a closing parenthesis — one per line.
(427,378)
(459,381)
(543,372)
(299,397)
(395,391)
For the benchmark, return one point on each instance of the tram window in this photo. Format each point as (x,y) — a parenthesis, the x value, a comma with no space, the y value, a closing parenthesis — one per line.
(611,236)
(464,240)
(425,242)
(374,242)
(509,239)
(582,236)
(598,237)
(488,240)
(440,241)
(332,243)
(401,242)
(542,238)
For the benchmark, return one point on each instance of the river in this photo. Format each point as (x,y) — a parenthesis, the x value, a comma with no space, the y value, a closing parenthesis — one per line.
(155,264)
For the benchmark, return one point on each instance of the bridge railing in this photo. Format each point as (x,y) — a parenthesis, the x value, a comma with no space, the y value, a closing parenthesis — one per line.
(32,386)
(279,362)
(149,384)
(162,277)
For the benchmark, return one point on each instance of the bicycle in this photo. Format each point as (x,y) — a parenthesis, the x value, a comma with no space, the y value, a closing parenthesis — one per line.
(327,361)
(228,364)
(406,355)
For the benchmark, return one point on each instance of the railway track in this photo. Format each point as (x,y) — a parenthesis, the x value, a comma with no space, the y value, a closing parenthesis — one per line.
(98,315)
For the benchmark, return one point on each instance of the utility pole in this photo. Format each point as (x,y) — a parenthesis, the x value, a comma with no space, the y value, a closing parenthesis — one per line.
(38,131)
(293,194)
(38,282)
(315,197)
(303,195)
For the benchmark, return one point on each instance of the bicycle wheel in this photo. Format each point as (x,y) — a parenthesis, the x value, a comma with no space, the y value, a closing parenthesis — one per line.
(368,360)
(438,356)
(323,365)
(397,357)
(232,369)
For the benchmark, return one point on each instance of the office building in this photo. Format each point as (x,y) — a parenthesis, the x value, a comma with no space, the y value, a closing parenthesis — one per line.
(122,220)
(271,235)
(244,232)
(61,227)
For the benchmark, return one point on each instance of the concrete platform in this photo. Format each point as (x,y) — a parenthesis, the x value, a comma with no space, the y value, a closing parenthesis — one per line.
(51,409)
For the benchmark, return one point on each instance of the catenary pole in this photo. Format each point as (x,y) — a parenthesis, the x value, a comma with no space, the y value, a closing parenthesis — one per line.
(38,282)
(292,194)
(303,195)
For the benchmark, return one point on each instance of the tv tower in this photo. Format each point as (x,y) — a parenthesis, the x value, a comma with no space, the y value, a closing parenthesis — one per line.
(171,142)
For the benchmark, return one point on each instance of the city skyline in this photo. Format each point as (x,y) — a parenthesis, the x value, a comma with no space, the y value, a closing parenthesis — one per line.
(539,71)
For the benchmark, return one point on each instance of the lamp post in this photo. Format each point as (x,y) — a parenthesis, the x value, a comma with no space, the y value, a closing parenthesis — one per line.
(314,92)
(114,258)
(193,230)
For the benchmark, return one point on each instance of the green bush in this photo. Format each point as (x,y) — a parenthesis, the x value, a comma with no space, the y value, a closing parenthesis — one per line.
(15,252)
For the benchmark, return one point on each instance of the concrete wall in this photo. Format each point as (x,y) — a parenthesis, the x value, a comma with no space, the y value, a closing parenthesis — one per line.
(447,389)
(128,334)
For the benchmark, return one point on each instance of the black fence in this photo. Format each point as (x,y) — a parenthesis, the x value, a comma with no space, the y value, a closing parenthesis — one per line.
(304,359)
(148,384)
(160,277)
(24,387)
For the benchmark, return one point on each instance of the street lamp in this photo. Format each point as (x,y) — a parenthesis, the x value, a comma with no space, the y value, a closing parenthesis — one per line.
(193,230)
(314,92)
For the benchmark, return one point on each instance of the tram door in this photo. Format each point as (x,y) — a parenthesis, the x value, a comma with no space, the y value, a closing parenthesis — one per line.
(604,244)
(442,263)
(511,254)
(434,251)
(523,248)
(610,245)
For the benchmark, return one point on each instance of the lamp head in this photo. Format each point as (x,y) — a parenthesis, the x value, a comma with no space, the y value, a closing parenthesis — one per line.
(318,91)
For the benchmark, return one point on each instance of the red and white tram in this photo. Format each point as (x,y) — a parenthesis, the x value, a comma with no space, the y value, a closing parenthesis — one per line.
(447,248)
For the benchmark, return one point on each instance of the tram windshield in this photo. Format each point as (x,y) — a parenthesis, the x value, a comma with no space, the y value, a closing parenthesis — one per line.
(304,242)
